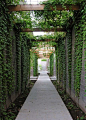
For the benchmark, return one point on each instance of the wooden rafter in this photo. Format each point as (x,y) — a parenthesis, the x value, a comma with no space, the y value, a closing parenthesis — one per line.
(46,30)
(33,7)
(41,56)
(43,51)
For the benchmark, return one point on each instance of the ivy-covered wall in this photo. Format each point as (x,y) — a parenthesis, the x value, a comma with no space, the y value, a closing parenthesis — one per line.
(72,58)
(25,62)
(15,55)
(35,65)
(61,77)
(79,57)
(56,53)
(7,72)
(14,60)
(51,64)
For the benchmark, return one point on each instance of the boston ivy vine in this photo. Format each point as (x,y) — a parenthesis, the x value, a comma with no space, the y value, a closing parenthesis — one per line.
(6,66)
(80,37)
(11,81)
(61,62)
(25,62)
(14,48)
(51,64)
(35,65)
(69,48)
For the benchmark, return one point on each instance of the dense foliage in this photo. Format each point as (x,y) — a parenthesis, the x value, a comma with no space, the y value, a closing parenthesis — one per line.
(14,57)
(35,65)
(61,62)
(80,36)
(51,64)
(7,79)
(15,46)
(49,19)
(69,48)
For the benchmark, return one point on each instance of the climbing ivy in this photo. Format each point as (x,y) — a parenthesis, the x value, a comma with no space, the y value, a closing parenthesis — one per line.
(13,2)
(10,62)
(35,65)
(22,59)
(54,2)
(46,20)
(7,83)
(55,18)
(56,57)
(61,62)
(25,62)
(51,64)
(18,60)
(80,37)
(69,49)
(84,33)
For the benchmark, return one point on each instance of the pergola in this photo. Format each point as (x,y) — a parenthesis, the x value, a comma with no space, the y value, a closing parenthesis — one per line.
(38,7)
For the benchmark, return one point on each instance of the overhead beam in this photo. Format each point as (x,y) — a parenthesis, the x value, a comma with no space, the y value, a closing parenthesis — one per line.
(41,56)
(46,30)
(34,7)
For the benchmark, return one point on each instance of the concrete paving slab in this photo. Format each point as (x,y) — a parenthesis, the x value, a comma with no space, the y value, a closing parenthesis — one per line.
(44,102)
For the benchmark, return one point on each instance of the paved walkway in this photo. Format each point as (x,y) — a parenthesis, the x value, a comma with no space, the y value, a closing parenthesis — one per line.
(43,102)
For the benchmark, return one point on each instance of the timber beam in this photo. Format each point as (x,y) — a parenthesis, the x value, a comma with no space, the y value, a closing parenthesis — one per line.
(46,30)
(34,7)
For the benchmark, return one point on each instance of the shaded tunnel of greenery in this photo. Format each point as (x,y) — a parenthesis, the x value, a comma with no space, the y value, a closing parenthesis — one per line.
(18,54)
